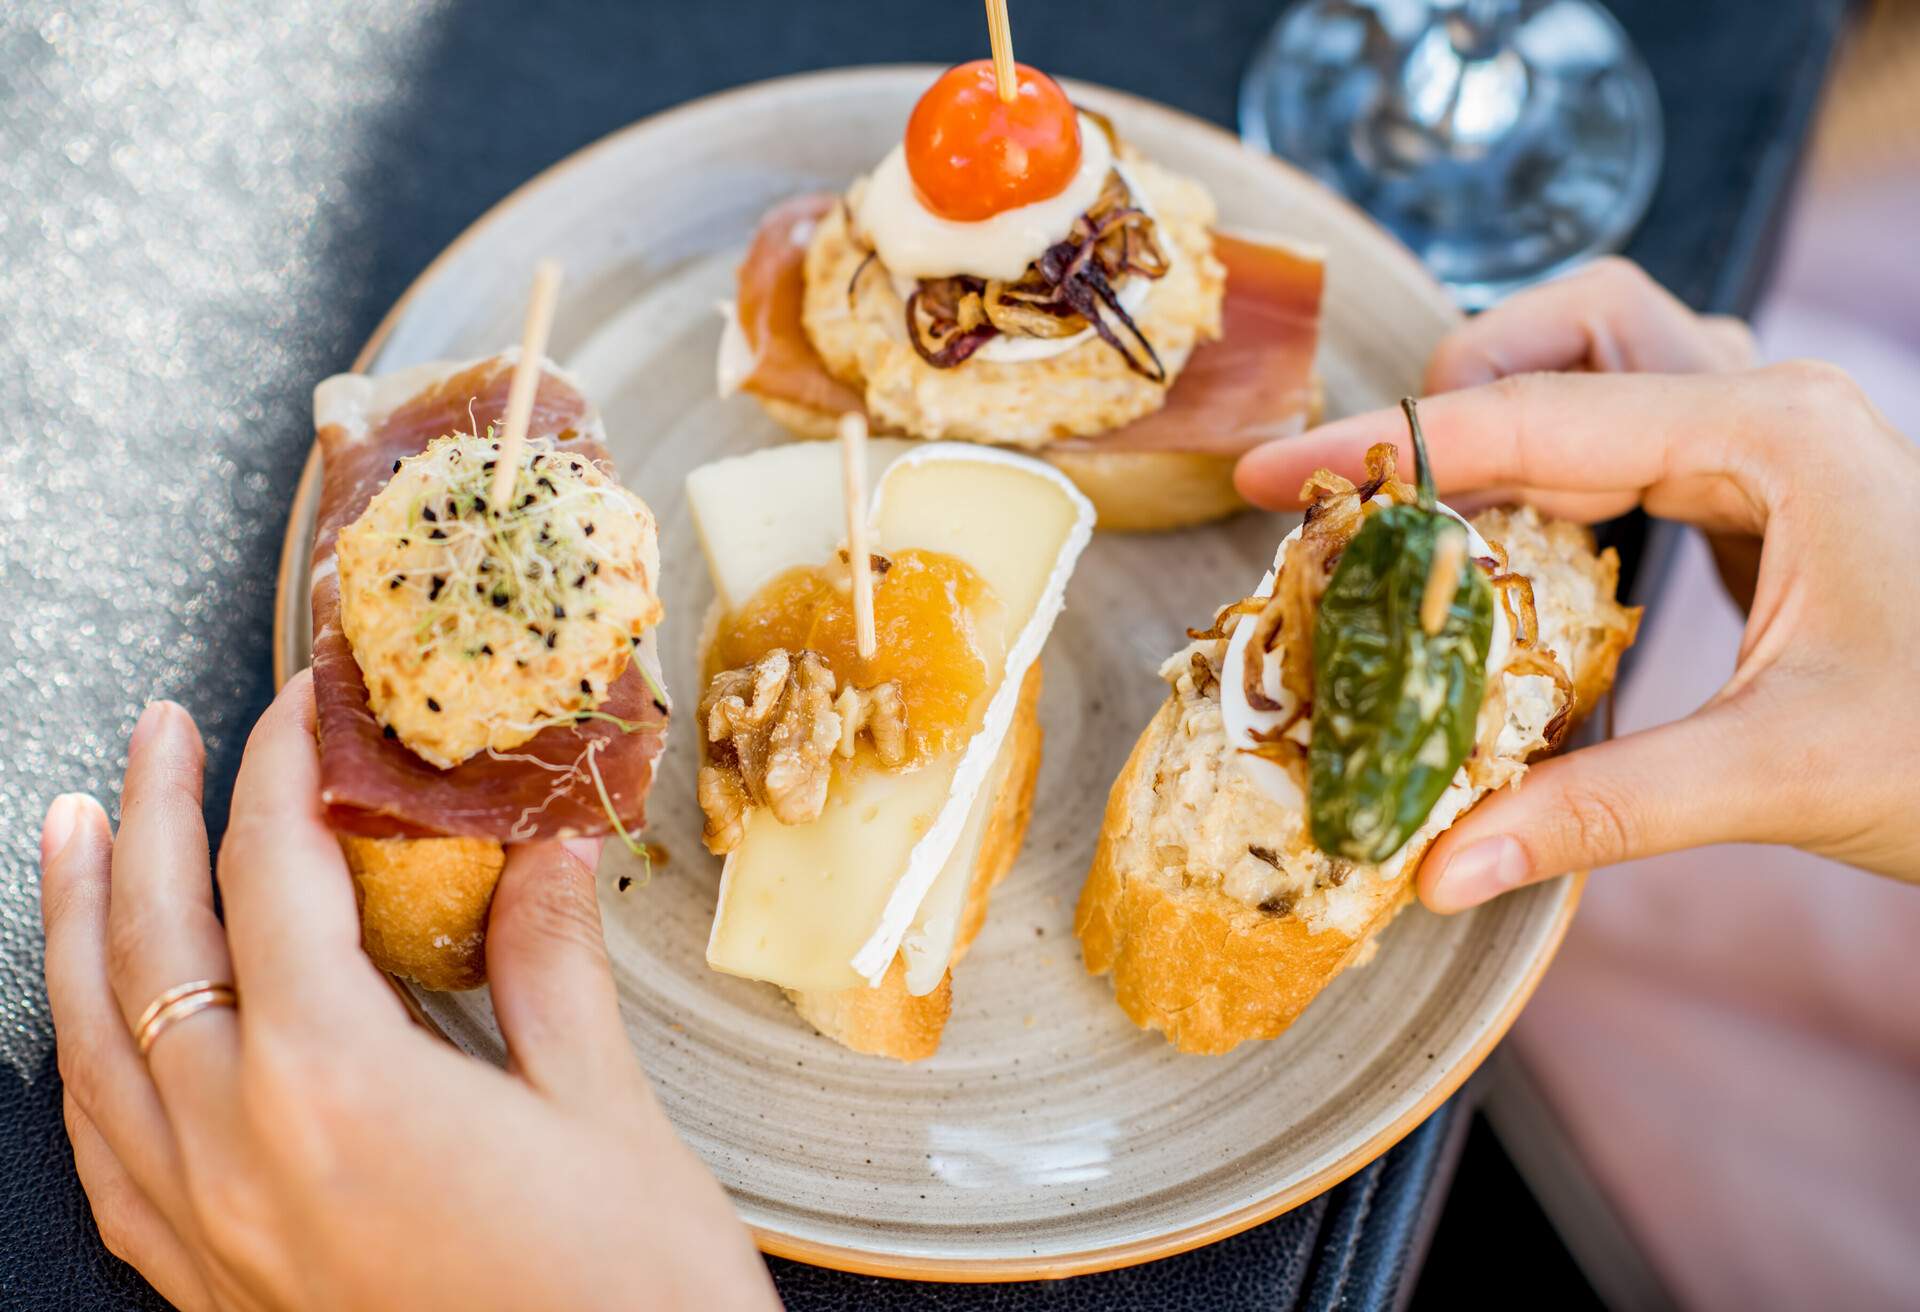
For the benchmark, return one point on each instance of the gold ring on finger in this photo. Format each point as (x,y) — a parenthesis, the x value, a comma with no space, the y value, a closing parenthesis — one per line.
(178,1003)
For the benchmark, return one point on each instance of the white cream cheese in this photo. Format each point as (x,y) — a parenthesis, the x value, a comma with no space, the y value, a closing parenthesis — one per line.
(914,242)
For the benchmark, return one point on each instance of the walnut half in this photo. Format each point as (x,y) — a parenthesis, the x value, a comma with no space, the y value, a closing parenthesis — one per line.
(772,730)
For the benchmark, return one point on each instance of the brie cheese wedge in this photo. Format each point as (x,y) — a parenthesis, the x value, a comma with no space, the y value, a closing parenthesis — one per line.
(887,865)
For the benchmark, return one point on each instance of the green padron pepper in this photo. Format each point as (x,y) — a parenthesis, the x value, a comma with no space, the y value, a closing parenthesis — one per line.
(1394,704)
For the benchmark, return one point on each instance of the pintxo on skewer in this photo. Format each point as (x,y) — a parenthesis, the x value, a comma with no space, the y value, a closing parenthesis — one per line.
(484,666)
(1015,273)
(1321,733)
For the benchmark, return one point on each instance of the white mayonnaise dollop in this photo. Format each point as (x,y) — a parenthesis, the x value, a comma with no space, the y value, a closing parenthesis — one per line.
(914,242)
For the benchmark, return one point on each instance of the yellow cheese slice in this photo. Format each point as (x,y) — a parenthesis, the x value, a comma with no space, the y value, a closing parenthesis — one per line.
(829,904)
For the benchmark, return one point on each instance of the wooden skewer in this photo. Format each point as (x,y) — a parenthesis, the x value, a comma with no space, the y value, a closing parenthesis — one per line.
(853,468)
(1000,35)
(1443,580)
(526,378)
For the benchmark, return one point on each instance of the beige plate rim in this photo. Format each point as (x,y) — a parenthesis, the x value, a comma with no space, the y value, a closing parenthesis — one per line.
(862,1261)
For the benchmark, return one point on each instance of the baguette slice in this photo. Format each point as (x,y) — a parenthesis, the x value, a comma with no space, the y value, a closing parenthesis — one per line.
(1211,971)
(424,904)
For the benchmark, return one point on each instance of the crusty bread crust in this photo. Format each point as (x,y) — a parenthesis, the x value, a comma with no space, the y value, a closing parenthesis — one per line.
(1211,972)
(424,904)
(1205,969)
(888,1021)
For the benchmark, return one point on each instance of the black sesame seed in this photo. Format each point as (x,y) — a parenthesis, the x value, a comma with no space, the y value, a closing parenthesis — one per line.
(559,611)
(438,535)
(499,598)
(433,705)
(396,466)
(439,582)
(479,587)
(517,661)
(453,510)
(486,649)
(593,567)
(535,630)
(586,686)
(659,706)
(547,483)
(550,639)
(426,513)
(493,446)
(394,582)
(405,542)
(588,530)
(479,505)
(488,467)
(626,882)
(574,465)
(580,581)
(386,731)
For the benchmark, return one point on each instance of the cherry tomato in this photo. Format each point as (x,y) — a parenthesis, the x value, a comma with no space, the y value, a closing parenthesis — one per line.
(972,155)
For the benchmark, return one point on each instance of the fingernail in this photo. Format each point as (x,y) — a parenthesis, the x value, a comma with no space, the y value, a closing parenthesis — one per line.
(150,721)
(585,850)
(1484,870)
(63,817)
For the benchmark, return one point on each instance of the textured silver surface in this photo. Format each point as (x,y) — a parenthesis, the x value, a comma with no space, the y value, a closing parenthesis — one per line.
(167,297)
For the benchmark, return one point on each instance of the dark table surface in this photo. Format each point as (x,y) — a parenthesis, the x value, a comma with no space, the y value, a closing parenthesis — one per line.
(206,206)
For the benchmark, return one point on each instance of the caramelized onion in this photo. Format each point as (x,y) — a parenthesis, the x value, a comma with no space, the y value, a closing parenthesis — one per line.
(1069,289)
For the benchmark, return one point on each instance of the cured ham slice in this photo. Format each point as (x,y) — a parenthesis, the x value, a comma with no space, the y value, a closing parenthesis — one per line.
(372,785)
(772,288)
(1254,384)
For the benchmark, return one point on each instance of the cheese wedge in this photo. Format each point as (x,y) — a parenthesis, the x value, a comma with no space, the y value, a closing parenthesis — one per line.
(828,905)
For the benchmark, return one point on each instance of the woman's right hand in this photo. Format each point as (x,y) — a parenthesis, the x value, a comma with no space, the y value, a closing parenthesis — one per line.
(1815,739)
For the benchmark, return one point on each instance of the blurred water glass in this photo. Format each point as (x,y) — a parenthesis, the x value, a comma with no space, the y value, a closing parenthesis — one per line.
(1503,140)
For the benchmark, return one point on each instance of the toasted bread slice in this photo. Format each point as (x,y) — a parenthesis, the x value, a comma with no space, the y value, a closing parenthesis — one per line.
(888,1021)
(1211,971)
(424,904)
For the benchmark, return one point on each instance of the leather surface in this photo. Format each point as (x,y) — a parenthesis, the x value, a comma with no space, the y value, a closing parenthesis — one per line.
(204,207)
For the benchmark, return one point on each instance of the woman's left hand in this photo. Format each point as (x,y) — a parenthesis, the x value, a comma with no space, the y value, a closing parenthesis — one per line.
(314,1148)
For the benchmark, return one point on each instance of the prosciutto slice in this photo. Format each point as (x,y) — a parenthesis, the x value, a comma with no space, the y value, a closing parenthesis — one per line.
(372,785)
(772,287)
(1254,384)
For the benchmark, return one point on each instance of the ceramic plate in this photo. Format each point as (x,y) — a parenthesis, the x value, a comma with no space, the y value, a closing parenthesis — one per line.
(1049,1136)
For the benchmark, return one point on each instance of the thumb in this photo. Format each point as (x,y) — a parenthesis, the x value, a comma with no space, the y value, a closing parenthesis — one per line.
(552,988)
(1656,791)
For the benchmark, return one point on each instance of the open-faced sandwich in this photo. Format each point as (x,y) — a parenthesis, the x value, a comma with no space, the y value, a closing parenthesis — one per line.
(484,673)
(1397,664)
(866,805)
(1015,273)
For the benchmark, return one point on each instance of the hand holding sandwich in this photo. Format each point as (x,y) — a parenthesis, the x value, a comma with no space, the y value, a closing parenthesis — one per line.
(1808,495)
(313,1148)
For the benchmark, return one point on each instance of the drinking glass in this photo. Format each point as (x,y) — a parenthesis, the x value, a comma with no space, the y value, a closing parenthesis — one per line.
(1503,140)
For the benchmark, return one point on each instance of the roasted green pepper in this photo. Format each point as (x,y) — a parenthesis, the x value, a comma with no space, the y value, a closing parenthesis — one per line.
(1396,693)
